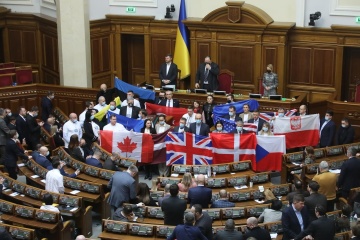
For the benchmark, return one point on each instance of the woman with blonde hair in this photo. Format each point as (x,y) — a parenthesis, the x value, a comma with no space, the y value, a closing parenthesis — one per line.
(266,130)
(186,183)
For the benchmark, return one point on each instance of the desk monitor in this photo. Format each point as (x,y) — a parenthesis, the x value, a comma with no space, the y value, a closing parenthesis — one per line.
(219,92)
(275,97)
(202,91)
(150,87)
(169,88)
(254,95)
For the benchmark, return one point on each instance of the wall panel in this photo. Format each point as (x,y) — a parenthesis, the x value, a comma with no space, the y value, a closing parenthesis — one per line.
(300,65)
(159,47)
(324,67)
(15,46)
(29,47)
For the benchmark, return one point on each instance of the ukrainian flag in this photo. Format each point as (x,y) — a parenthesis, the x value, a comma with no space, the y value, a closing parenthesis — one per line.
(181,54)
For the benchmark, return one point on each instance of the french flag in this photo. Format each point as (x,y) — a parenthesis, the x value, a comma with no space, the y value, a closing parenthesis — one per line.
(269,151)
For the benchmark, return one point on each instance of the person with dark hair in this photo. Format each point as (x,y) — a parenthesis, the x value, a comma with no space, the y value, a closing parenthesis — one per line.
(295,218)
(208,108)
(203,221)
(196,106)
(230,98)
(105,92)
(272,214)
(169,101)
(232,115)
(75,150)
(91,129)
(143,195)
(94,160)
(229,233)
(21,125)
(323,228)
(355,232)
(54,179)
(298,190)
(182,126)
(246,115)
(46,105)
(315,199)
(253,230)
(343,222)
(168,73)
(239,128)
(114,126)
(12,153)
(125,213)
(12,123)
(349,176)
(223,201)
(33,127)
(147,128)
(189,116)
(187,231)
(49,201)
(207,75)
(130,110)
(130,95)
(89,105)
(327,130)
(219,128)
(345,133)
(257,121)
(173,207)
(265,130)
(161,126)
(166,194)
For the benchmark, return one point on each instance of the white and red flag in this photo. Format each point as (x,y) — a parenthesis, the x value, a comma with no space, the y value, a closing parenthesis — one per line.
(233,147)
(269,152)
(132,145)
(299,131)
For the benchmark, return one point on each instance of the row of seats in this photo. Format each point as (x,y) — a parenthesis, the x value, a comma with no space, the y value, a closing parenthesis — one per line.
(16,75)
(17,232)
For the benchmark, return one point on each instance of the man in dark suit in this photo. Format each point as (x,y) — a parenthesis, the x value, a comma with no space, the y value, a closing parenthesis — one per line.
(94,160)
(255,231)
(34,128)
(173,207)
(349,176)
(355,231)
(327,130)
(42,158)
(169,101)
(257,121)
(295,218)
(123,187)
(198,127)
(315,199)
(202,221)
(229,233)
(207,75)
(160,97)
(345,133)
(109,162)
(232,115)
(21,125)
(302,111)
(106,93)
(130,110)
(182,126)
(200,194)
(5,235)
(298,190)
(323,228)
(46,106)
(4,132)
(168,72)
(239,129)
(12,124)
(187,231)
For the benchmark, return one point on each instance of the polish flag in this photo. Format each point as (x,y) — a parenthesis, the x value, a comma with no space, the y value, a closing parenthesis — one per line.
(233,147)
(299,131)
(132,145)
(269,151)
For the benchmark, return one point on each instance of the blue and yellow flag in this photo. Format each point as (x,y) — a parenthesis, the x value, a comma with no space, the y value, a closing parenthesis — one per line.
(181,54)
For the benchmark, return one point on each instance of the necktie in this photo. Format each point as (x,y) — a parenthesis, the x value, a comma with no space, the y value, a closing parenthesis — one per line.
(168,103)
(206,74)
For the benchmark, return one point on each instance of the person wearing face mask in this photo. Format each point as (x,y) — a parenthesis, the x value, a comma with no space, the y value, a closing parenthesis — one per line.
(232,114)
(46,105)
(113,108)
(161,126)
(88,106)
(91,129)
(160,97)
(246,115)
(71,127)
(208,110)
(207,75)
(130,110)
(42,158)
(270,81)
(230,98)
(345,133)
(219,128)
(101,104)
(239,129)
(327,130)
(182,126)
(34,128)
(12,153)
(266,130)
(8,115)
(198,127)
(130,94)
(108,94)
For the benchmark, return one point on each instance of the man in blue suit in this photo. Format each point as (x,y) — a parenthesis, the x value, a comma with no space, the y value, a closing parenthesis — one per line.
(94,160)
(42,160)
(256,120)
(327,130)
(187,231)
(198,127)
(200,194)
(295,218)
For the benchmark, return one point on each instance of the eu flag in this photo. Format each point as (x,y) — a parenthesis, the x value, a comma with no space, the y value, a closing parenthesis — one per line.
(181,54)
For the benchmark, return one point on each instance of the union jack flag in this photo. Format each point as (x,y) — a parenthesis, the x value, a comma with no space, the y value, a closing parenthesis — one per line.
(188,148)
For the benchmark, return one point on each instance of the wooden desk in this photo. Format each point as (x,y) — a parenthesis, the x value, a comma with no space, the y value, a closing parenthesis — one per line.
(52,227)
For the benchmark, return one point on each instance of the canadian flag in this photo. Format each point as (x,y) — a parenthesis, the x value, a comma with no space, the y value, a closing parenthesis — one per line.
(299,131)
(233,147)
(132,145)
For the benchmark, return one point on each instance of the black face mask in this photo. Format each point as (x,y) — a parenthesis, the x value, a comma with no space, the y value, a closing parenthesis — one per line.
(228,101)
(130,104)
(268,71)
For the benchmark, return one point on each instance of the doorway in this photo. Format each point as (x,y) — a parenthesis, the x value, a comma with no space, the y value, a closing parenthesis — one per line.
(351,73)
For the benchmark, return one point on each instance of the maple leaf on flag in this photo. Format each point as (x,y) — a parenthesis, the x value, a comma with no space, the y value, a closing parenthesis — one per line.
(127,146)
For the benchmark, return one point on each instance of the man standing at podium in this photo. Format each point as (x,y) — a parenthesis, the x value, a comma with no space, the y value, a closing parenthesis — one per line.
(207,75)
(168,72)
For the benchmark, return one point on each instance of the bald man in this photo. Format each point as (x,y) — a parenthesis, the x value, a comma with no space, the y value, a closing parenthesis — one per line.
(42,160)
(198,127)
(302,110)
(223,201)
(101,104)
(80,237)
(108,94)
(71,127)
(255,231)
(200,194)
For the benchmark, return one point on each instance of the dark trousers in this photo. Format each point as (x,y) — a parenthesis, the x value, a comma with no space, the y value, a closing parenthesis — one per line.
(330,205)
(12,172)
(2,154)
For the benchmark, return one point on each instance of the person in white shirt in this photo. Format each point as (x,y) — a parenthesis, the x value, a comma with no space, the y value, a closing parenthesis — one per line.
(113,108)
(54,179)
(71,127)
(189,116)
(48,201)
(161,126)
(114,126)
(101,104)
(88,105)
(246,115)
(130,94)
